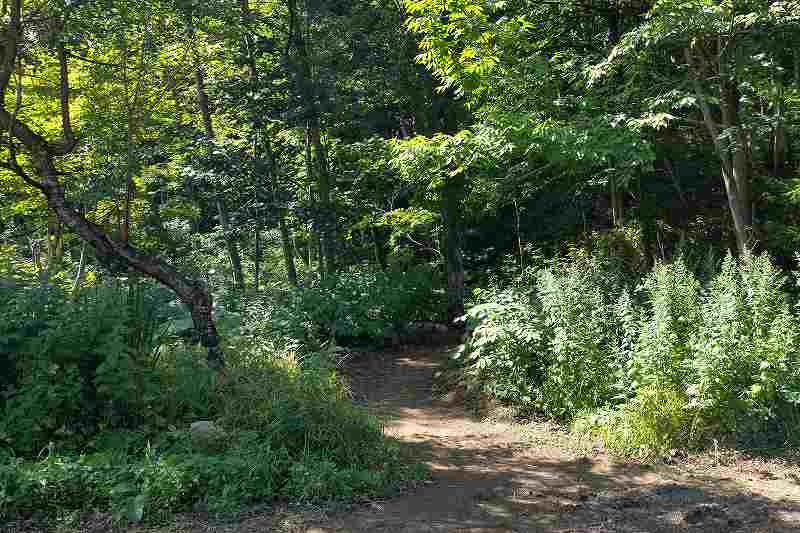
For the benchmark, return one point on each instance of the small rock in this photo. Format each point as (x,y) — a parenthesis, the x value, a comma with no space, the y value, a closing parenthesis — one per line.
(703,512)
(203,428)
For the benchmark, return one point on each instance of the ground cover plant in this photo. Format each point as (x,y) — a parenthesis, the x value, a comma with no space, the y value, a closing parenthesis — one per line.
(115,436)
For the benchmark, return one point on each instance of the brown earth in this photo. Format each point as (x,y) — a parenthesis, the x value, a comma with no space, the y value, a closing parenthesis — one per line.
(501,477)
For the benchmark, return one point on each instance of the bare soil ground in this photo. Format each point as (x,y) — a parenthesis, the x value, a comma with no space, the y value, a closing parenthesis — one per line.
(495,476)
(501,477)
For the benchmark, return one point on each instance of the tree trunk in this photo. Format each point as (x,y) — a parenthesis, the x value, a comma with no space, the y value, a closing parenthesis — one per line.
(230,243)
(124,234)
(55,244)
(42,157)
(614,22)
(380,259)
(452,195)
(779,131)
(327,221)
(288,251)
(739,170)
(518,229)
(202,101)
(320,255)
(78,283)
(286,237)
(257,256)
(733,159)
(316,231)
(616,202)
(190,292)
(306,85)
(233,249)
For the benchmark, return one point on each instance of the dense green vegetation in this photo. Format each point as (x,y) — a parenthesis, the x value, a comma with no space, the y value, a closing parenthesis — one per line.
(201,202)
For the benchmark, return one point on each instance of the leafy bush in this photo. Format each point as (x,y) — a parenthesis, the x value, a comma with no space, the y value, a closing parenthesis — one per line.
(583,331)
(505,355)
(352,306)
(673,365)
(79,365)
(299,438)
(671,320)
(745,359)
(560,346)
(651,425)
(92,419)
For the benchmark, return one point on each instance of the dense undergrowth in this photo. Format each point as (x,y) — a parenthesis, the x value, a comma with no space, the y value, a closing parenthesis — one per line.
(101,390)
(672,359)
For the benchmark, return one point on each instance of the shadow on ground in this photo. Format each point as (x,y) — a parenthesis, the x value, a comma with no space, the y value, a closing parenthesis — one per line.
(487,477)
(500,477)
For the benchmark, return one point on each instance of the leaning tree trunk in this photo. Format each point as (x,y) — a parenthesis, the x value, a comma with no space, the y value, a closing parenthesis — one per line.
(190,292)
(733,158)
(42,153)
(738,180)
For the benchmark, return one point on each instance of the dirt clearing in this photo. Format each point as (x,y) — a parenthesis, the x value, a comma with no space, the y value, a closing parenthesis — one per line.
(502,477)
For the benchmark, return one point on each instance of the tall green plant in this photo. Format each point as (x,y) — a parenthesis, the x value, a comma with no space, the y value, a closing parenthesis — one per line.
(745,353)
(663,350)
(583,331)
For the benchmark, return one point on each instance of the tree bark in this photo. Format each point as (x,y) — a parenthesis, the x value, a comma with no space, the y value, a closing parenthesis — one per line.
(233,250)
(779,142)
(190,292)
(616,202)
(308,91)
(380,258)
(733,159)
(78,283)
(316,229)
(42,158)
(202,101)
(230,243)
(327,221)
(257,255)
(452,195)
(286,237)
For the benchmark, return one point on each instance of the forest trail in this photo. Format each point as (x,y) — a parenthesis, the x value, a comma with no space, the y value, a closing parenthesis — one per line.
(503,477)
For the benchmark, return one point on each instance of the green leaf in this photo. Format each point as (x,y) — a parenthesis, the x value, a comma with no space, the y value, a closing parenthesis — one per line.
(135,508)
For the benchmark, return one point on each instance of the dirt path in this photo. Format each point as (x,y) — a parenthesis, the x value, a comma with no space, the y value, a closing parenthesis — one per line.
(501,477)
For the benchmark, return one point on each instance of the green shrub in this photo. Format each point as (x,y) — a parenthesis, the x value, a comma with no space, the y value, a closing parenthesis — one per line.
(561,346)
(505,356)
(583,328)
(675,366)
(280,423)
(745,360)
(650,426)
(670,322)
(80,366)
(352,307)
